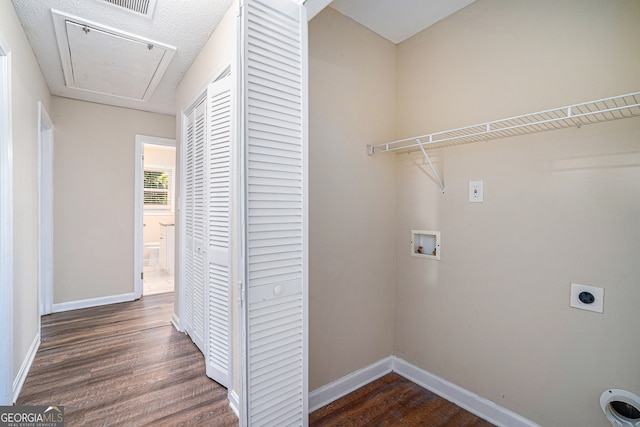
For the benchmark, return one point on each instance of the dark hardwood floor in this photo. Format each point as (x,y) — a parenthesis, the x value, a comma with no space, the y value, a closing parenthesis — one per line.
(124,365)
(393,401)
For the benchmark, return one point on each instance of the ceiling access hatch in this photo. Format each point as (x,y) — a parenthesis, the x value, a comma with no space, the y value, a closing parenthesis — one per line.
(99,59)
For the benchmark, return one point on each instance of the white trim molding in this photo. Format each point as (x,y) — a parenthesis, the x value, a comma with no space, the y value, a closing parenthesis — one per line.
(483,408)
(234,402)
(6,226)
(25,367)
(351,382)
(93,302)
(314,7)
(175,320)
(45,212)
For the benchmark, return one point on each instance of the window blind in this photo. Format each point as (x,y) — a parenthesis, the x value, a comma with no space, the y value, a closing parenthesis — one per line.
(158,188)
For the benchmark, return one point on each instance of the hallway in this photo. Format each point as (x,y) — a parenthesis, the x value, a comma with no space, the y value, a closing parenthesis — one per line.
(124,364)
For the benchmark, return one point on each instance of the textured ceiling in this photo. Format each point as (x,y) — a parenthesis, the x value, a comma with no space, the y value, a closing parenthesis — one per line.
(397,20)
(185,24)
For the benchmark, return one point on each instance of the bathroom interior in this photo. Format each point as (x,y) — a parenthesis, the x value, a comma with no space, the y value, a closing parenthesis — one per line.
(158,217)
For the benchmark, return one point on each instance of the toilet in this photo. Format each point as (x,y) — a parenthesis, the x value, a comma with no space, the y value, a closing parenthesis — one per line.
(621,407)
(152,254)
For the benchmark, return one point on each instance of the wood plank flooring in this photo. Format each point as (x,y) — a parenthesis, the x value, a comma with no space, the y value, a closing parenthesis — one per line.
(393,401)
(124,365)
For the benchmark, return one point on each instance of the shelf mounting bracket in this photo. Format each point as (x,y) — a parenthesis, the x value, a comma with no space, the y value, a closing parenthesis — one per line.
(426,156)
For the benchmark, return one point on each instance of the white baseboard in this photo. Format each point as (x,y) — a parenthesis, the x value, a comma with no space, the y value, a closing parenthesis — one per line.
(176,322)
(25,367)
(465,399)
(93,302)
(234,402)
(345,385)
(483,408)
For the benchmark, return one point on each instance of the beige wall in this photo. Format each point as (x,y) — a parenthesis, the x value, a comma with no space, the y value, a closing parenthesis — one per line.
(352,74)
(213,58)
(94,196)
(27,88)
(493,315)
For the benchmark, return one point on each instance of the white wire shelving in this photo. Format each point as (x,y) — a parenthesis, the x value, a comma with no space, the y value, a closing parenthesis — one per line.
(601,110)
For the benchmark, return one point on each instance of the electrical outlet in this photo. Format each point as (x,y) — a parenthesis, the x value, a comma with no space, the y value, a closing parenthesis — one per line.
(587,297)
(475,192)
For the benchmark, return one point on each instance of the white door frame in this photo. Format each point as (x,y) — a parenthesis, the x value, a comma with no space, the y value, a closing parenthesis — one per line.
(314,7)
(6,227)
(138,229)
(45,212)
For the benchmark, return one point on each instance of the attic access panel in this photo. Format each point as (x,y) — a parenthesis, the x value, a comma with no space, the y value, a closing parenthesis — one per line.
(107,61)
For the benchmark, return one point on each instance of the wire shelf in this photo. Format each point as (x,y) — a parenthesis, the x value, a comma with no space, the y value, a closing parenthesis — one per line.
(601,110)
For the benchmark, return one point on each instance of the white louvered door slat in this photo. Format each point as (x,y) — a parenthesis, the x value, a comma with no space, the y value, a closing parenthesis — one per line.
(218,214)
(275,203)
(199,235)
(187,316)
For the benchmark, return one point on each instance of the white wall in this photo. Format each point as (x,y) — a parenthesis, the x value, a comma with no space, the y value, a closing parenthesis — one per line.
(493,315)
(352,74)
(93,208)
(28,87)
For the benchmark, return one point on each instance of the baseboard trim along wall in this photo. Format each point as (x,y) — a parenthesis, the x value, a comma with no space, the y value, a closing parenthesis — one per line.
(345,385)
(465,399)
(234,402)
(25,368)
(176,322)
(93,302)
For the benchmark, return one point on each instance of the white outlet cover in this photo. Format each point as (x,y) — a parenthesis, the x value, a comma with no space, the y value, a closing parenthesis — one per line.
(597,305)
(475,192)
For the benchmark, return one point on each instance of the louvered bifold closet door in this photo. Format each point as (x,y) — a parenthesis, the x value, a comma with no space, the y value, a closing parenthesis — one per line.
(218,209)
(187,316)
(276,271)
(199,214)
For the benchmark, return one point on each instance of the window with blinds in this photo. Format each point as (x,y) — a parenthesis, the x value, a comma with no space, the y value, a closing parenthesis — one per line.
(158,189)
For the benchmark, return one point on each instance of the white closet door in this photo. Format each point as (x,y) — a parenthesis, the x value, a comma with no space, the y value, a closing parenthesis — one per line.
(218,210)
(274,33)
(187,316)
(199,235)
(194,250)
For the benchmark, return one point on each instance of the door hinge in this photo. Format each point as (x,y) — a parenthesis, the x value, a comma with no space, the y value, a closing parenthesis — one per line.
(142,275)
